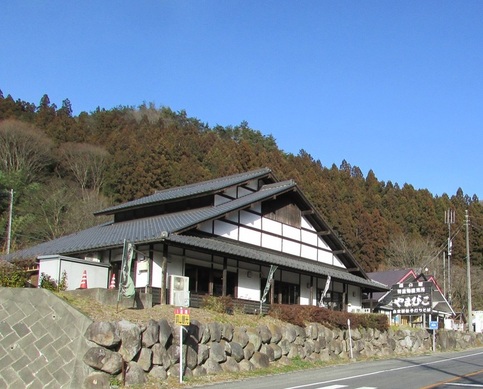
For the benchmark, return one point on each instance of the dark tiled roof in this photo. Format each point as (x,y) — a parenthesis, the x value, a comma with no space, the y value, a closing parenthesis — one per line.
(147,229)
(389,277)
(241,250)
(186,191)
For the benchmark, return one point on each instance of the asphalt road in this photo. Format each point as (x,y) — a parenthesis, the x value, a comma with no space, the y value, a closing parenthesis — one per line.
(438,370)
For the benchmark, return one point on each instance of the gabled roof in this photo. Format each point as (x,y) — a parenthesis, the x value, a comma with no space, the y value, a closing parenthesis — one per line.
(149,229)
(392,277)
(187,191)
(146,230)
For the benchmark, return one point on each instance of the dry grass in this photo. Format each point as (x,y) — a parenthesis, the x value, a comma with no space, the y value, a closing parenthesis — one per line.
(100,312)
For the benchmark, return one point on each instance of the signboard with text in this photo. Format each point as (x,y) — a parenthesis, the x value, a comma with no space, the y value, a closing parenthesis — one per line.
(182,316)
(412,298)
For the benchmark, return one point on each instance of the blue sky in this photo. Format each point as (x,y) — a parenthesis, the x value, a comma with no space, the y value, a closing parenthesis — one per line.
(392,86)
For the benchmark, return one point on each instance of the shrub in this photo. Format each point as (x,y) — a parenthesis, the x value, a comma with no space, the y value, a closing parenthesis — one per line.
(302,314)
(223,304)
(47,282)
(12,276)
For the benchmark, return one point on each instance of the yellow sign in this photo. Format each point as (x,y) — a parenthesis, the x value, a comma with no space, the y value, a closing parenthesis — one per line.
(182,316)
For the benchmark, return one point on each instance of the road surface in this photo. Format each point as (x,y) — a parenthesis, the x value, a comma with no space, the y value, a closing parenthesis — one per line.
(436,371)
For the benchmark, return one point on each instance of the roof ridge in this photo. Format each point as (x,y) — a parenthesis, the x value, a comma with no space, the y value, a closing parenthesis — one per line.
(204,186)
(278,184)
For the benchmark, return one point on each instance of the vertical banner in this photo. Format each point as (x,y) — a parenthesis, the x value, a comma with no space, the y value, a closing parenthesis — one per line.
(326,288)
(271,272)
(126,283)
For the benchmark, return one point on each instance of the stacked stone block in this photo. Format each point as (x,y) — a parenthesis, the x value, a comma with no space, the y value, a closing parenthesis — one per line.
(153,349)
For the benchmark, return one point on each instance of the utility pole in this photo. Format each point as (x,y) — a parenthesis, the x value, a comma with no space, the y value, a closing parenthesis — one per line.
(449,218)
(468,273)
(444,274)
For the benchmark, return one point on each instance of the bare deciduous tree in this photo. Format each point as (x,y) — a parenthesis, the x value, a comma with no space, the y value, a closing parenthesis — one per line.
(405,252)
(23,148)
(87,163)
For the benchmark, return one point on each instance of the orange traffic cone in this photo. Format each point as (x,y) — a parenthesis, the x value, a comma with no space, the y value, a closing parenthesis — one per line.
(83,284)
(112,285)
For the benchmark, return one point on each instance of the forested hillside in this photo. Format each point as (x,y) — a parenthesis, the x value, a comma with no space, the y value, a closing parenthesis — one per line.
(63,167)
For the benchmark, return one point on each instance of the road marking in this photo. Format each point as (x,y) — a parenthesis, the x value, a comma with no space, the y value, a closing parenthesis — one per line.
(345,386)
(385,371)
(334,387)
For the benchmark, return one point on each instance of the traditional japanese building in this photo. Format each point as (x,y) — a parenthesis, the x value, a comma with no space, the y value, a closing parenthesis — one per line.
(221,237)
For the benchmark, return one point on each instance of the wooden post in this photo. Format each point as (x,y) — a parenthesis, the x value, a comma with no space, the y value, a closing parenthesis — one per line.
(164,278)
(224,280)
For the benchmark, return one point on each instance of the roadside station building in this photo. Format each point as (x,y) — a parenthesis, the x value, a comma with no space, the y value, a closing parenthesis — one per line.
(226,236)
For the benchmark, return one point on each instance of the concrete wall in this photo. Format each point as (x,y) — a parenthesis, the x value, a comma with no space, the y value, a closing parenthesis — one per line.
(41,341)
(55,265)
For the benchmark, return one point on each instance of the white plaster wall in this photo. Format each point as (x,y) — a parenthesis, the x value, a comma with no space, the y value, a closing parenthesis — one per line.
(337,262)
(309,237)
(250,219)
(142,275)
(322,244)
(306,225)
(271,242)
(354,298)
(225,229)
(97,277)
(272,226)
(324,257)
(250,236)
(50,267)
(290,247)
(291,232)
(248,288)
(157,269)
(309,252)
(304,291)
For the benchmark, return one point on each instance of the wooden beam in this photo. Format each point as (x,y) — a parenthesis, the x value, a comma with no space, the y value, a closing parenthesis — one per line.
(323,233)
(352,269)
(225,277)
(307,212)
(338,252)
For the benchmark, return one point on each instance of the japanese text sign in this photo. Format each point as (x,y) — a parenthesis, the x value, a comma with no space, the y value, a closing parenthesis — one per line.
(182,316)
(413,298)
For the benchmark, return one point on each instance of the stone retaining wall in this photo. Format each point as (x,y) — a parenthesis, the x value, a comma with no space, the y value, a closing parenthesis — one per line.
(153,349)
